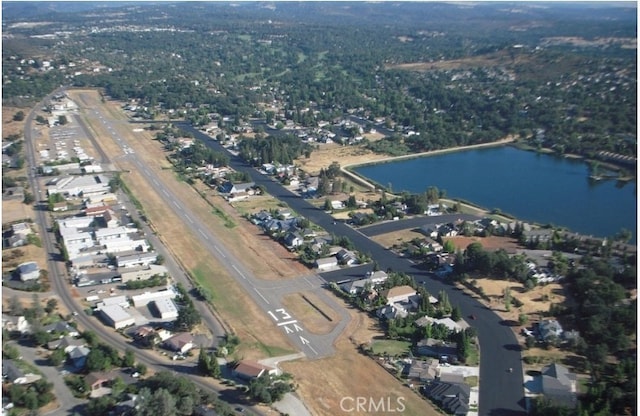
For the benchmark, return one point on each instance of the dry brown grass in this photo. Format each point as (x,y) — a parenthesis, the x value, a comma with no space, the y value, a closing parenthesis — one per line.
(323,383)
(302,305)
(15,210)
(12,257)
(490,243)
(389,240)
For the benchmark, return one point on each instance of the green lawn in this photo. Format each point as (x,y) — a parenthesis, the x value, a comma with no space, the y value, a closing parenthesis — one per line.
(390,346)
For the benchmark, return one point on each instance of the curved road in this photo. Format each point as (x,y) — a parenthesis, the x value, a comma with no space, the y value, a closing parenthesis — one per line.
(501,392)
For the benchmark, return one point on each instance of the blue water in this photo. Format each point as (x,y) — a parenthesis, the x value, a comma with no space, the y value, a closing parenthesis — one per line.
(530,186)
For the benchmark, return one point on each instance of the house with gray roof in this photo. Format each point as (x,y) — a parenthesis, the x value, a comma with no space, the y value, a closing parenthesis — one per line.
(549,329)
(12,373)
(453,398)
(559,385)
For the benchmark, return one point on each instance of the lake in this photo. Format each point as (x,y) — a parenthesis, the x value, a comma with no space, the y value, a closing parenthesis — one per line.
(532,187)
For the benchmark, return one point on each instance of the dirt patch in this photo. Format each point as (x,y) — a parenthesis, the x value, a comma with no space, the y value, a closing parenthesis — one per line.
(316,315)
(326,154)
(14,210)
(353,375)
(12,257)
(389,240)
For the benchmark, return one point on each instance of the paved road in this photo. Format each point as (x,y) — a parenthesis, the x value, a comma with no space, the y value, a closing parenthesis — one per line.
(501,392)
(413,223)
(64,396)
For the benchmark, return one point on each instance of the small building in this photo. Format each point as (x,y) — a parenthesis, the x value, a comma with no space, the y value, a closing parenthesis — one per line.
(15,323)
(549,329)
(326,263)
(398,294)
(116,316)
(181,342)
(165,308)
(248,370)
(422,370)
(559,385)
(62,327)
(67,344)
(453,398)
(28,271)
(21,228)
(78,356)
(437,348)
(12,373)
(138,259)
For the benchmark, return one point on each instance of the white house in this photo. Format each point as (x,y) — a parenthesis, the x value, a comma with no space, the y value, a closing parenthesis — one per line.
(326,263)
(28,271)
(398,294)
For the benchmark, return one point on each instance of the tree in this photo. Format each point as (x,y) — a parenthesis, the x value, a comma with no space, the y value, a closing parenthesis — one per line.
(57,357)
(188,317)
(15,306)
(129,359)
(159,403)
(19,116)
(52,304)
(455,314)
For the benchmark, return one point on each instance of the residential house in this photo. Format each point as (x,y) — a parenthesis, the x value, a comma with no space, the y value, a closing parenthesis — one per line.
(437,348)
(66,343)
(181,342)
(326,263)
(78,356)
(14,241)
(230,188)
(293,240)
(347,257)
(355,287)
(15,324)
(559,385)
(137,259)
(549,329)
(337,205)
(21,228)
(28,271)
(12,373)
(395,311)
(422,370)
(360,218)
(398,294)
(453,398)
(377,277)
(97,382)
(541,235)
(447,322)
(62,327)
(430,230)
(248,370)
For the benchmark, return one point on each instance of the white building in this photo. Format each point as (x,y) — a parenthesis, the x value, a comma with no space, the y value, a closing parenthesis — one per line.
(28,271)
(137,259)
(145,298)
(143,273)
(165,308)
(116,316)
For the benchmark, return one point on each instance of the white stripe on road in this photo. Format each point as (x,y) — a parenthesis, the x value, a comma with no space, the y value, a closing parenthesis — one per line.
(312,349)
(188,218)
(176,204)
(164,191)
(263,298)
(156,182)
(287,323)
(221,253)
(203,234)
(239,272)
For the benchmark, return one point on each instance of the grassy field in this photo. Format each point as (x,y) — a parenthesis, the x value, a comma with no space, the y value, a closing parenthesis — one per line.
(390,346)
